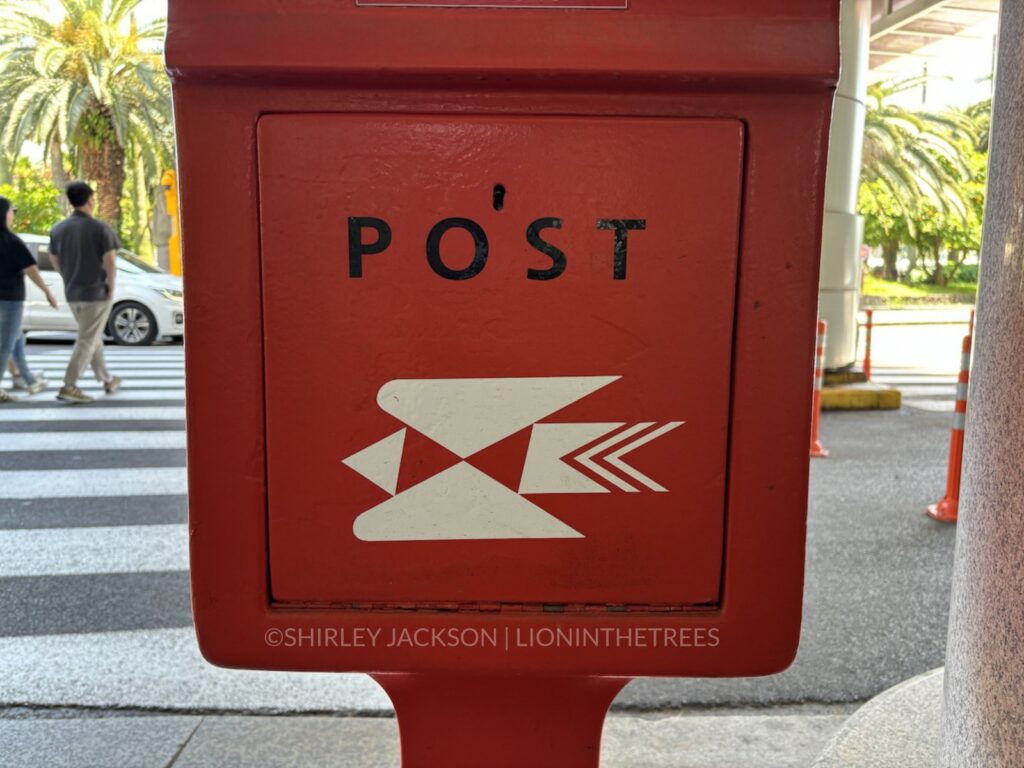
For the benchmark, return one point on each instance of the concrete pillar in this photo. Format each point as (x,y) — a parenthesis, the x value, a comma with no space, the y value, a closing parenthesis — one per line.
(839,285)
(984,689)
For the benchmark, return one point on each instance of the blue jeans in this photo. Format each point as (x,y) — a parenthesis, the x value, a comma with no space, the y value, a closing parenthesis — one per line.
(12,341)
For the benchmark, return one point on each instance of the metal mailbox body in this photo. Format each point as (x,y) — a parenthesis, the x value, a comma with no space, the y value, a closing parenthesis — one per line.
(500,330)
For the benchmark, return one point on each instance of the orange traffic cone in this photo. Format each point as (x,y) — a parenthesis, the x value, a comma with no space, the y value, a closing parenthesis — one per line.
(945,511)
(817,450)
(868,327)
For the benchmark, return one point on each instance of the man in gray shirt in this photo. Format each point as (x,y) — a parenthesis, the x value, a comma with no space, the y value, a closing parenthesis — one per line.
(83,250)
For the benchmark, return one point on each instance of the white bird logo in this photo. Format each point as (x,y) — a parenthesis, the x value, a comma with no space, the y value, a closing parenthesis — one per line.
(466,416)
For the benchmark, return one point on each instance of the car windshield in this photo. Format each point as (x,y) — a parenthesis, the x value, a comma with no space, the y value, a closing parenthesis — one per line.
(129,262)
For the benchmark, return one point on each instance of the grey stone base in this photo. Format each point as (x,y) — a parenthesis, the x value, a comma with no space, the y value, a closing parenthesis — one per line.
(899,728)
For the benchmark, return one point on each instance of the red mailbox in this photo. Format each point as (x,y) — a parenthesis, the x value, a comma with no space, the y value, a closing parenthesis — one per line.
(500,340)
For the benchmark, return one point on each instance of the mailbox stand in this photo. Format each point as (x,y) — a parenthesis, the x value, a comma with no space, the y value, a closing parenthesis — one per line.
(460,720)
(500,323)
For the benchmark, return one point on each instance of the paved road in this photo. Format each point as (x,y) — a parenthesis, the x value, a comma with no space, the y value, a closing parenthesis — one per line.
(925,339)
(918,350)
(94,583)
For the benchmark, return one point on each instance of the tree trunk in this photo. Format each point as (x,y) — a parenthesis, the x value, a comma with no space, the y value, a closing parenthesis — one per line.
(108,173)
(939,275)
(890,253)
(58,175)
(103,164)
(913,256)
(954,260)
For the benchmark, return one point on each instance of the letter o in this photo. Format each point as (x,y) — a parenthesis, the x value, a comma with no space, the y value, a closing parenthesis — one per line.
(479,248)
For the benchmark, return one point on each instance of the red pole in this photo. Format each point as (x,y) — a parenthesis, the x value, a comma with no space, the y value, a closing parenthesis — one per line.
(817,450)
(945,511)
(970,325)
(868,325)
(500,720)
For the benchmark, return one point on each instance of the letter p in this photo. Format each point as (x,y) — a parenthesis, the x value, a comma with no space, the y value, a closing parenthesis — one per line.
(357,248)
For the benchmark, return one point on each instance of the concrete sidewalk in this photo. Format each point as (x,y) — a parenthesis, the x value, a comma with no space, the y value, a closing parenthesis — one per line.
(748,739)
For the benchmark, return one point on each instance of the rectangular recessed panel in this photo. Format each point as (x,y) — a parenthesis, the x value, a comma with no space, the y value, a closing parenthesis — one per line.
(497,356)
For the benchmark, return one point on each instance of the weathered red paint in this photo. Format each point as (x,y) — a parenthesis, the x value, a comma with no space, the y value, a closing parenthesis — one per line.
(665,329)
(291,121)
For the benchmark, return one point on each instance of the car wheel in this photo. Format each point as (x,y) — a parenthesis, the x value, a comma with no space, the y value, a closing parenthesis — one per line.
(132,324)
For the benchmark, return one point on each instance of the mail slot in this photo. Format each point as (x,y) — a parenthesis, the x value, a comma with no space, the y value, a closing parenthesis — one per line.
(501,323)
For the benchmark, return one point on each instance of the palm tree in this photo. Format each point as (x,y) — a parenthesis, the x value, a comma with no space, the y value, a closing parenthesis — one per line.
(915,155)
(92,81)
(981,115)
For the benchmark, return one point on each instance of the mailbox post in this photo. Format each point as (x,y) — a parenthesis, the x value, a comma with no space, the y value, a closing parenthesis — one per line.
(500,347)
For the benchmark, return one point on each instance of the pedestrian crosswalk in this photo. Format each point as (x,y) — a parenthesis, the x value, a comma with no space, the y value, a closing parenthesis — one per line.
(921,389)
(94,555)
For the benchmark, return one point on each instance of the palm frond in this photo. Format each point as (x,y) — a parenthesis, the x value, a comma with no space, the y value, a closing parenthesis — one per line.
(918,155)
(81,77)
(119,10)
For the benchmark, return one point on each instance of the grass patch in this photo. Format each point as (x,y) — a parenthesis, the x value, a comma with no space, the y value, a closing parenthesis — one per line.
(887,289)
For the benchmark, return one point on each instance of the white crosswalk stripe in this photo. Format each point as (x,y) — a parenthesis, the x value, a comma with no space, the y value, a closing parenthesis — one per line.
(137,383)
(99,440)
(87,483)
(73,412)
(116,366)
(55,375)
(927,404)
(47,397)
(133,357)
(121,549)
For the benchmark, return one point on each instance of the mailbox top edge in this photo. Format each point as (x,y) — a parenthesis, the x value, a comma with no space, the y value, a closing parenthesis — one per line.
(701,43)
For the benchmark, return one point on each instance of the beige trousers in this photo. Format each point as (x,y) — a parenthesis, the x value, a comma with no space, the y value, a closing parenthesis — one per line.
(91,317)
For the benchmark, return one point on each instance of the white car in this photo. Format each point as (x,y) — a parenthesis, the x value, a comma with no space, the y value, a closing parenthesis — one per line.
(148,302)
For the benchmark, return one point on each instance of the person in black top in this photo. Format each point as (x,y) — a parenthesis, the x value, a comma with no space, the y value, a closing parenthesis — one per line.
(15,262)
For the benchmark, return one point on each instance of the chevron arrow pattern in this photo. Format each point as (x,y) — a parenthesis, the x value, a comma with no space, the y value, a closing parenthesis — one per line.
(603,459)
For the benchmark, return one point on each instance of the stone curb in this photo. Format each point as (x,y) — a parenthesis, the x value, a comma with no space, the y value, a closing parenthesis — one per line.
(899,728)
